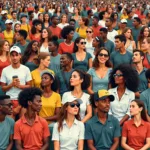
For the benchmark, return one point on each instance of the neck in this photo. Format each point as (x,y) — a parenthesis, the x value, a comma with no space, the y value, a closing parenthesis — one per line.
(121,87)
(22,42)
(89,38)
(102,66)
(70,119)
(8,30)
(30,114)
(68,41)
(54,25)
(139,66)
(102,115)
(110,28)
(47,89)
(37,31)
(54,53)
(16,65)
(4,53)
(122,50)
(41,67)
(137,118)
(67,68)
(137,26)
(82,26)
(105,39)
(46,40)
(77,90)
(148,51)
(80,50)
(2,117)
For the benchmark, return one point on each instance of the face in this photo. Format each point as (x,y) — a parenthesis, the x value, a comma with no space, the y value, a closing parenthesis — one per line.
(135,109)
(46,80)
(135,23)
(41,17)
(136,57)
(44,33)
(89,32)
(23,19)
(64,61)
(108,23)
(118,43)
(103,56)
(38,27)
(146,32)
(94,21)
(64,18)
(102,34)
(72,23)
(15,57)
(118,77)
(46,17)
(17,27)
(75,10)
(145,45)
(6,47)
(14,15)
(36,104)
(128,34)
(35,46)
(81,44)
(70,35)
(106,15)
(103,105)
(55,20)
(81,21)
(46,61)
(75,79)
(51,47)
(94,43)
(9,26)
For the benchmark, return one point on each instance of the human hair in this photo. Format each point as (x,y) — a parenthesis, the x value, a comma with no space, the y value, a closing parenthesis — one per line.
(77,40)
(42,56)
(23,9)
(85,77)
(23,33)
(140,52)
(28,52)
(121,38)
(3,97)
(137,19)
(62,17)
(147,73)
(100,41)
(130,76)
(96,64)
(104,30)
(111,19)
(56,9)
(140,103)
(125,30)
(69,56)
(113,15)
(89,11)
(2,42)
(49,35)
(14,11)
(95,17)
(66,30)
(28,94)
(54,16)
(35,23)
(73,20)
(54,40)
(129,11)
(44,17)
(85,20)
(101,14)
(63,115)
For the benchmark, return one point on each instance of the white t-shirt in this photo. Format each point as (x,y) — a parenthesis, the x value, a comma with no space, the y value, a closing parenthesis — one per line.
(94,10)
(83,107)
(44,49)
(60,25)
(111,35)
(23,74)
(71,9)
(101,23)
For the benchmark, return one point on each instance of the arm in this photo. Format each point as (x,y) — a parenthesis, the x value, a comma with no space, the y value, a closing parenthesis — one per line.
(133,45)
(18,144)
(56,145)
(6,87)
(45,144)
(125,118)
(147,145)
(90,63)
(89,114)
(91,145)
(115,143)
(9,147)
(137,94)
(28,84)
(90,91)
(124,145)
(80,144)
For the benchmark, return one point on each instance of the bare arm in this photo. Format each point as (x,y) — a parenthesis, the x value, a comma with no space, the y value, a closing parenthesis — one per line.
(91,145)
(124,145)
(90,91)
(56,145)
(115,143)
(9,147)
(88,115)
(27,85)
(6,87)
(147,145)
(90,63)
(125,118)
(18,145)
(133,45)
(45,143)
(80,144)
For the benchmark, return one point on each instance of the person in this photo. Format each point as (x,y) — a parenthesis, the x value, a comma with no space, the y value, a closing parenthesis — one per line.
(129,19)
(58,11)
(6,123)
(102,18)
(102,131)
(107,43)
(139,122)
(100,71)
(67,34)
(123,81)
(15,78)
(17,27)
(115,17)
(78,83)
(82,59)
(63,21)
(68,132)
(89,16)
(3,19)
(31,131)
(122,26)
(46,20)
(120,56)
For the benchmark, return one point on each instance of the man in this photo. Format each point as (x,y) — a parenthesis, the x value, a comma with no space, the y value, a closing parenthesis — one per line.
(107,43)
(71,8)
(31,131)
(63,75)
(14,18)
(138,57)
(133,11)
(111,32)
(102,132)
(3,19)
(36,12)
(120,56)
(15,78)
(123,25)
(21,37)
(6,123)
(130,20)
(90,16)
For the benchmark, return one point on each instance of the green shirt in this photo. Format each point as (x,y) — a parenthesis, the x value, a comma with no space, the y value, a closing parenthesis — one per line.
(110,46)
(32,66)
(136,33)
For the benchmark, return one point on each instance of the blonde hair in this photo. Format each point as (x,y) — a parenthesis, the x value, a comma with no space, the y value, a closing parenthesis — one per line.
(125,30)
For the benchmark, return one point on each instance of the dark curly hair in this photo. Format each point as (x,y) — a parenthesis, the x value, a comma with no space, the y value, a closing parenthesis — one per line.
(86,79)
(28,94)
(66,30)
(130,75)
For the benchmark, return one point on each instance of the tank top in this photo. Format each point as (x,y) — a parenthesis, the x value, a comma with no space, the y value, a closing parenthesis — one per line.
(130,48)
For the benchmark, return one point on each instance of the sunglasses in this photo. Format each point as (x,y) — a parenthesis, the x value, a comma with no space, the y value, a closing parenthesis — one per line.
(88,31)
(82,43)
(117,75)
(105,55)
(73,105)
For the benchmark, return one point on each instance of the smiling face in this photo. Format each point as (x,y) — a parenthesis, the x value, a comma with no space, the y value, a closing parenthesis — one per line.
(103,56)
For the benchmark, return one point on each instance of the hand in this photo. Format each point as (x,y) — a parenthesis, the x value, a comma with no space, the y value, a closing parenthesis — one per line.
(18,83)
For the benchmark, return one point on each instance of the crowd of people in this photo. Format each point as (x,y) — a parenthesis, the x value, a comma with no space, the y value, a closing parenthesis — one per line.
(74,75)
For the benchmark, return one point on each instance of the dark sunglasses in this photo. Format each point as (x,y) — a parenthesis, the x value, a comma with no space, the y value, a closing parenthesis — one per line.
(88,31)
(73,105)
(105,55)
(82,43)
(117,75)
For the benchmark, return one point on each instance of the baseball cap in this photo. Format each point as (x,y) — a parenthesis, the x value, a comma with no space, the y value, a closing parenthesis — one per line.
(23,15)
(70,98)
(17,22)
(51,73)
(102,94)
(123,21)
(8,21)
(15,49)
(3,12)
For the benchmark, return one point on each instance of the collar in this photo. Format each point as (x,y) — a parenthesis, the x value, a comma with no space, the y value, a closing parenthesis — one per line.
(25,121)
(97,120)
(75,122)
(142,122)
(126,91)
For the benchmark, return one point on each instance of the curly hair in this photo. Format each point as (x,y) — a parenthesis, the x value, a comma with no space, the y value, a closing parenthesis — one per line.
(66,30)
(130,76)
(28,94)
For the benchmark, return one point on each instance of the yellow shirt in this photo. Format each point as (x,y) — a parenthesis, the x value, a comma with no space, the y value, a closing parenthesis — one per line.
(49,105)
(36,77)
(81,32)
(9,16)
(25,27)
(9,36)
(124,16)
(41,10)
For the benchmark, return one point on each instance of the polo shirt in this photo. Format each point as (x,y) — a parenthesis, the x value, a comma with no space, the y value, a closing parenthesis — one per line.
(110,46)
(136,136)
(31,136)
(102,134)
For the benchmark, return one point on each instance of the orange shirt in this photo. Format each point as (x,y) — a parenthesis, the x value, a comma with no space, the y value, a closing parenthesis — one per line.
(146,63)
(31,136)
(56,31)
(63,48)
(136,136)
(96,31)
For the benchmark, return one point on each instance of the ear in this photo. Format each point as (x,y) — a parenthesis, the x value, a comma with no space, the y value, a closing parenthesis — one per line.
(52,81)
(1,107)
(29,103)
(142,57)
(96,104)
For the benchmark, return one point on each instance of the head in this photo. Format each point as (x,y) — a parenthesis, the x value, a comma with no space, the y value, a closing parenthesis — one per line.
(109,22)
(103,33)
(114,15)
(41,17)
(90,13)
(98,42)
(137,108)
(22,35)
(53,44)
(120,41)
(123,23)
(95,21)
(138,56)
(17,27)
(5,105)
(127,32)
(46,17)
(144,33)
(46,34)
(83,21)
(79,44)
(72,23)
(30,98)
(37,26)
(63,18)
(145,44)
(125,75)
(103,15)
(55,20)
(136,21)
(89,32)
(14,14)
(4,47)
(8,24)
(23,18)
(67,32)
(130,14)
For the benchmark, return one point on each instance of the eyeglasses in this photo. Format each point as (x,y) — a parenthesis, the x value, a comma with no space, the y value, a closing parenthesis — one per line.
(105,55)
(73,105)
(88,31)
(117,75)
(82,43)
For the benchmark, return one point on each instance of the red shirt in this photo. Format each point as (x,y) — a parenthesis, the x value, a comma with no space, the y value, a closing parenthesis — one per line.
(1,35)
(56,31)
(32,37)
(146,63)
(63,47)
(3,65)
(96,31)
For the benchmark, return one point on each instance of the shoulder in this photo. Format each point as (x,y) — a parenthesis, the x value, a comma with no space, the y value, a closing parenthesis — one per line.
(113,119)
(91,70)
(67,93)
(10,120)
(34,71)
(42,120)
(114,53)
(7,68)
(24,67)
(92,120)
(56,94)
(86,95)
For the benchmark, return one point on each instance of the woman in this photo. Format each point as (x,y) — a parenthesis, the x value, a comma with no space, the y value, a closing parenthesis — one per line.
(123,82)
(44,61)
(130,43)
(58,11)
(51,101)
(63,21)
(45,38)
(69,130)
(46,21)
(124,14)
(136,132)
(79,82)
(51,8)
(67,34)
(17,27)
(144,33)
(30,56)
(100,71)
(82,59)
(115,21)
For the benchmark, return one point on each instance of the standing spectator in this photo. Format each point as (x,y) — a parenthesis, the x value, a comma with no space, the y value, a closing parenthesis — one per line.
(3,19)
(14,18)
(102,18)
(123,25)
(6,123)
(31,131)
(96,130)
(58,12)
(46,20)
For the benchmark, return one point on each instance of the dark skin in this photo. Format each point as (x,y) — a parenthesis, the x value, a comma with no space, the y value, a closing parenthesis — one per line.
(69,37)
(53,49)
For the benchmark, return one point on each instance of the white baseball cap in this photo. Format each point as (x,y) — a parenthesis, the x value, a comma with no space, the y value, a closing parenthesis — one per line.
(123,21)
(8,21)
(15,49)
(70,98)
(3,12)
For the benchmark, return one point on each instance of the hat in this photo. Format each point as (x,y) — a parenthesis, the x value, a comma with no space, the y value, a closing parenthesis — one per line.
(15,49)
(70,98)
(51,73)
(123,21)
(23,15)
(3,12)
(17,22)
(102,94)
(8,21)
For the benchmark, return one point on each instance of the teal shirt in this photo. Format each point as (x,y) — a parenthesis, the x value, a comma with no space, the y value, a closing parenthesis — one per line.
(2,25)
(32,66)
(129,23)
(110,46)
(6,129)
(84,13)
(82,65)
(136,33)
(102,134)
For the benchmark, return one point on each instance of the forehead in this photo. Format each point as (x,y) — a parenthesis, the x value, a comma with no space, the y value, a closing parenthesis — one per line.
(14,53)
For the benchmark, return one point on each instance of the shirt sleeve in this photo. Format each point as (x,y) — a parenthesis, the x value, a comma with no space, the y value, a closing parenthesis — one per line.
(124,130)
(82,131)
(88,132)
(89,56)
(28,75)
(117,128)
(3,77)
(55,135)
(58,103)
(17,134)
(46,131)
